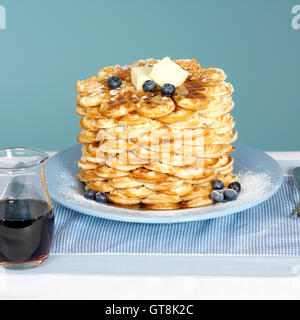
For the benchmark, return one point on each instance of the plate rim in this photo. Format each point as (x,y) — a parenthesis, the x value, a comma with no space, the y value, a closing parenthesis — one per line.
(165,219)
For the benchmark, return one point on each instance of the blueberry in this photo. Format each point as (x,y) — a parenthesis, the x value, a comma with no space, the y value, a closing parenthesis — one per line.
(114,82)
(101,197)
(168,89)
(217,185)
(230,194)
(217,196)
(149,85)
(89,194)
(235,186)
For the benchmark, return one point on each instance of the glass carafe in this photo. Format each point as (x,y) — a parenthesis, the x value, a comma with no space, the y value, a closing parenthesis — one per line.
(26,218)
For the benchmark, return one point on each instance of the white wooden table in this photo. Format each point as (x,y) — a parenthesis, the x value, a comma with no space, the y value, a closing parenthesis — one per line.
(161,276)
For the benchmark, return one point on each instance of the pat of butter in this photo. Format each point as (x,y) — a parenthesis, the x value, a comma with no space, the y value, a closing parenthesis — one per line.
(167,71)
(139,75)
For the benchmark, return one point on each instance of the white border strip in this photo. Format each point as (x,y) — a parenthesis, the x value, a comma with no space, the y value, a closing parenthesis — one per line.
(286,155)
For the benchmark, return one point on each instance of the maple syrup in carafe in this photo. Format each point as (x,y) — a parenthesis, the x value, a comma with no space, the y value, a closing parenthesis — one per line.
(26,230)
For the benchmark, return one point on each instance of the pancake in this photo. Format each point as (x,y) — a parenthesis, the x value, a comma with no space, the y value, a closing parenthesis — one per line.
(151,151)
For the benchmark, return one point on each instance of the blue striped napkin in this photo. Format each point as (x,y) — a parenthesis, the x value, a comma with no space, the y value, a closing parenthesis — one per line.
(267,229)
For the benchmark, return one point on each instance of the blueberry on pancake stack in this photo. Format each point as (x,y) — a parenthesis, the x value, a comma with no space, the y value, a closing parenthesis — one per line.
(155,134)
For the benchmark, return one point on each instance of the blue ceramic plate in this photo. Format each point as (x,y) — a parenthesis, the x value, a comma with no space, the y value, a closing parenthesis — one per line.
(260,176)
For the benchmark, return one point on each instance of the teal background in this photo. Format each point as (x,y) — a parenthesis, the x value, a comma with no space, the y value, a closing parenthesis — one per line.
(49,45)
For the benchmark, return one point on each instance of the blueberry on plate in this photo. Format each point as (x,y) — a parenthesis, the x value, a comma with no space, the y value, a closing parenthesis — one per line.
(168,89)
(217,184)
(149,85)
(217,196)
(101,197)
(89,194)
(235,186)
(230,194)
(114,82)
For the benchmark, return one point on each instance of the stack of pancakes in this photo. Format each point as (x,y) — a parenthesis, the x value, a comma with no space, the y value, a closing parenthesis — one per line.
(158,152)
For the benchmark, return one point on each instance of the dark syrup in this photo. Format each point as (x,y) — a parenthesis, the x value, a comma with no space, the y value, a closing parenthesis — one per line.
(26,230)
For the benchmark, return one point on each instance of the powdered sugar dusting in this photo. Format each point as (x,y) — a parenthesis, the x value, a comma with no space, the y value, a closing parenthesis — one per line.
(71,190)
(255,186)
